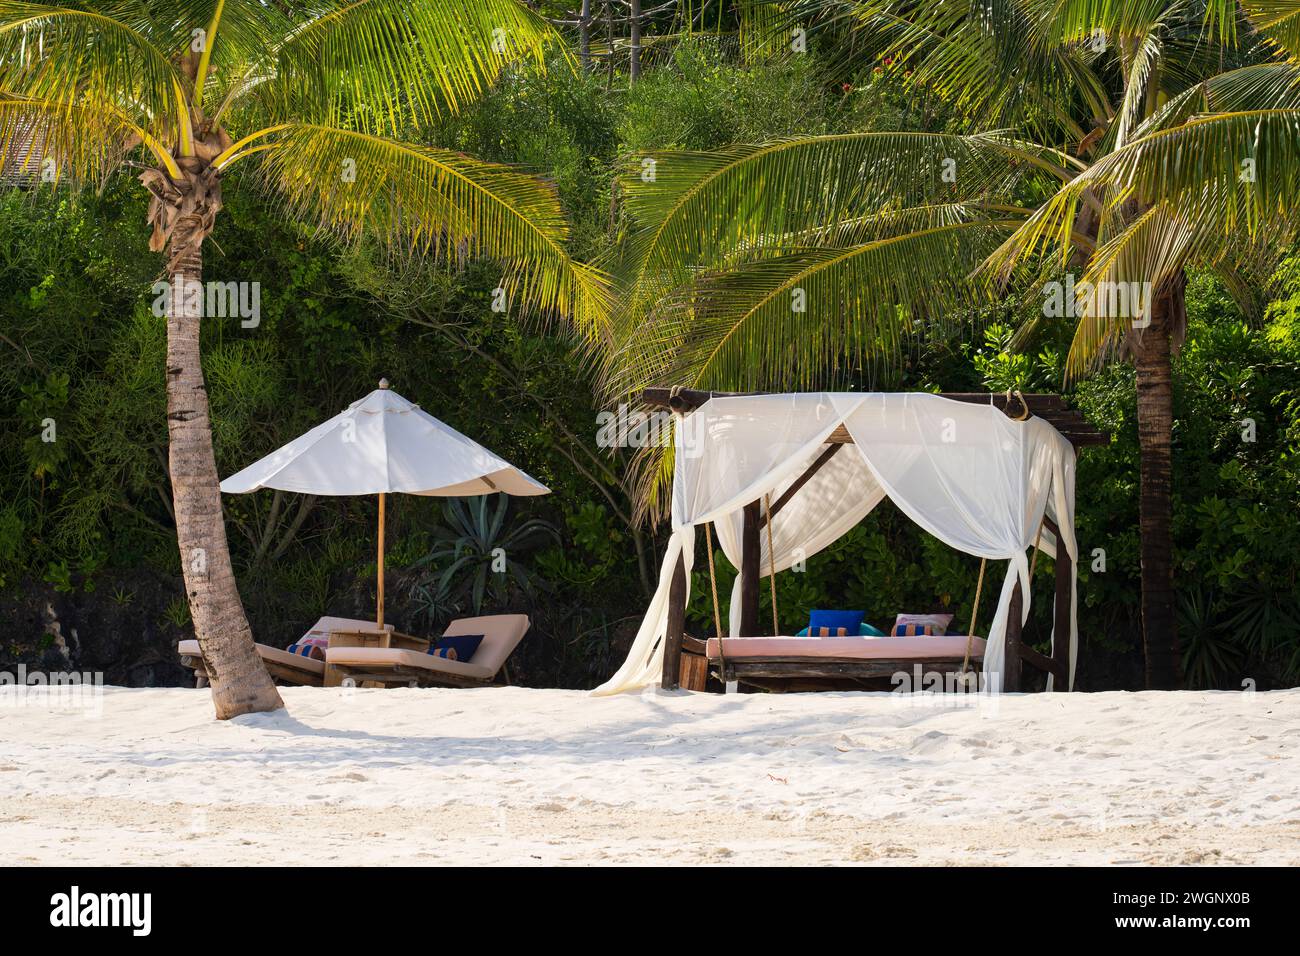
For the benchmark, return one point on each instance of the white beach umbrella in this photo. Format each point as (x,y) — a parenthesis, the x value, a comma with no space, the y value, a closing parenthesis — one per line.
(384,444)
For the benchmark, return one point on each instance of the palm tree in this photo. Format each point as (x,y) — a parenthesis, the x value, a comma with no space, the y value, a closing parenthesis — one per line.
(1125,141)
(314,101)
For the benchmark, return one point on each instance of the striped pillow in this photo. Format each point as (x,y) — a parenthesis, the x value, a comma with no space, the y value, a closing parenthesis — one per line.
(313,647)
(914,630)
(456,647)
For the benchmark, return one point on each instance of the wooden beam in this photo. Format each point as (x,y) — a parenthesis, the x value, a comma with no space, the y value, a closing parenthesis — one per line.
(739,668)
(1011,666)
(1061,616)
(1041,661)
(676,626)
(803,479)
(750,570)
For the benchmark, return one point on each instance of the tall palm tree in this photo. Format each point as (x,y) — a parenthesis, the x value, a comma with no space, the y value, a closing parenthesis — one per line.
(1125,141)
(314,101)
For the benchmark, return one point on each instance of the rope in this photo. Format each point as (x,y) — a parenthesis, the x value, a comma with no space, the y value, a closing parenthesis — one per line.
(975,608)
(979,587)
(1024,405)
(1033,559)
(717,616)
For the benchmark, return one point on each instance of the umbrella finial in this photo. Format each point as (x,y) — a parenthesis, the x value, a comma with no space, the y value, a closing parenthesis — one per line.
(383,383)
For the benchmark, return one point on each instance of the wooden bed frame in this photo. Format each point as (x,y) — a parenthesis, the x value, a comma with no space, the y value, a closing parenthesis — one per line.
(699,672)
(680,669)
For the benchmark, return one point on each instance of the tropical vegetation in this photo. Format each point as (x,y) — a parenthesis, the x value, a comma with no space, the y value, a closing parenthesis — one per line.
(91,575)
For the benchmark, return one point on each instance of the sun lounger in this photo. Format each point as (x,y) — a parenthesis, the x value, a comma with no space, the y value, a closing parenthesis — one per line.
(283,666)
(396,659)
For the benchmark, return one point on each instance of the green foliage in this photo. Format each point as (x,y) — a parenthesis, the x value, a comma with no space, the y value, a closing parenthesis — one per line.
(79,343)
(177,614)
(478,557)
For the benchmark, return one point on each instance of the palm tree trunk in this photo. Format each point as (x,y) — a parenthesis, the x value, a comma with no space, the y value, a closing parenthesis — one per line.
(584,35)
(634,42)
(240,682)
(1155,414)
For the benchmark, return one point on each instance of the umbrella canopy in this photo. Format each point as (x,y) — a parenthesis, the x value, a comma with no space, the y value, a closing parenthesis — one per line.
(381,444)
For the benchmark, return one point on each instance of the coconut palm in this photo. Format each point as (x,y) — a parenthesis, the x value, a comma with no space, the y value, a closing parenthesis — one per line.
(315,103)
(1120,141)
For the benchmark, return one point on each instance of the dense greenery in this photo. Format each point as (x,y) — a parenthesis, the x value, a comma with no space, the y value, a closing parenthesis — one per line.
(85,519)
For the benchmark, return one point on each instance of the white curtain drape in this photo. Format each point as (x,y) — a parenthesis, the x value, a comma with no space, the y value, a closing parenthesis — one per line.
(968,474)
(838,496)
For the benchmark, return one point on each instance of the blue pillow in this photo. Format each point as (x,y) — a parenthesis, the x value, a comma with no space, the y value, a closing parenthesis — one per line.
(456,647)
(849,620)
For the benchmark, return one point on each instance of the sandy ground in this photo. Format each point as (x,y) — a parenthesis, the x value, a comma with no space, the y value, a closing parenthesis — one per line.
(508,775)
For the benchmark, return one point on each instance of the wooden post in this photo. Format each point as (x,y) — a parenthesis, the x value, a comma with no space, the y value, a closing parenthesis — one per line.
(379,604)
(750,569)
(676,626)
(1011,669)
(1061,620)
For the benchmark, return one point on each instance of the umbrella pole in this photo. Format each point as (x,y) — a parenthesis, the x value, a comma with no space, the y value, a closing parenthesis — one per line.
(379,612)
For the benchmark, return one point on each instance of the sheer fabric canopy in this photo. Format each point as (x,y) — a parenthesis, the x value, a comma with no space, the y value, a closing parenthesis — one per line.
(969,475)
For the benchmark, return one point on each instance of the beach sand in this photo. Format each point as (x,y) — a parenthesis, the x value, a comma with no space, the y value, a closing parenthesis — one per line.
(519,776)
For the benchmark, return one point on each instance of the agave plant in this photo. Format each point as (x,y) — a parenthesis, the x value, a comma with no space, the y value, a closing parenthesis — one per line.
(314,103)
(1124,141)
(477,556)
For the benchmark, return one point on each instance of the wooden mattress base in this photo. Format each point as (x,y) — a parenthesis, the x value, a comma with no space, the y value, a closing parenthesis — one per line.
(796,674)
(398,675)
(280,673)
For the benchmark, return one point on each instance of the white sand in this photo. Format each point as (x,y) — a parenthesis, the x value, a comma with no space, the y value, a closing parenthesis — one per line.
(508,775)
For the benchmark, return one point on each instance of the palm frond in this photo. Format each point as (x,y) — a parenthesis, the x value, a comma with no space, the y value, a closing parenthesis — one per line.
(84,57)
(694,208)
(1233,174)
(385,65)
(225,41)
(992,61)
(74,144)
(1255,86)
(440,204)
(1114,21)
(1278,21)
(807,316)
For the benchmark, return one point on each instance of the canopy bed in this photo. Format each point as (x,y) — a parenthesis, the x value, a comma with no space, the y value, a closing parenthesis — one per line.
(779,477)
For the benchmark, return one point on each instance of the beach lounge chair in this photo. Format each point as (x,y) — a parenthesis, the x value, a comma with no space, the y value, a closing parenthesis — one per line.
(283,666)
(367,657)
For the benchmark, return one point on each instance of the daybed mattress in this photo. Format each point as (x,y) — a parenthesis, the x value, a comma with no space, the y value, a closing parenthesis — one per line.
(847,648)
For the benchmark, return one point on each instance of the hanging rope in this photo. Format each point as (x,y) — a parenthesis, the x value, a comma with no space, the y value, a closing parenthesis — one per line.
(975,609)
(771,565)
(1033,559)
(979,587)
(713,585)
